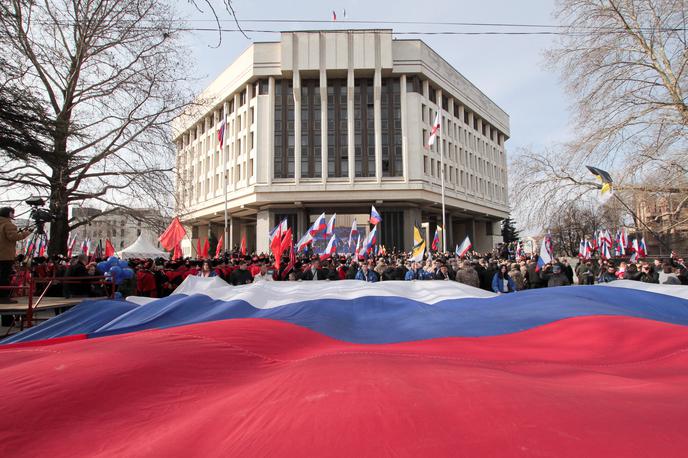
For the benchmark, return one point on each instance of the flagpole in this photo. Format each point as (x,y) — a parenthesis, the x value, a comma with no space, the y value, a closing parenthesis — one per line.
(224,241)
(439,139)
(225,107)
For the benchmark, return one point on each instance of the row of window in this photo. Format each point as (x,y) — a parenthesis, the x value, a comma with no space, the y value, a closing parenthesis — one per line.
(457,177)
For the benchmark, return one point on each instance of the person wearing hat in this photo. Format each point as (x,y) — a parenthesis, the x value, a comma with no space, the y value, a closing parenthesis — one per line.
(9,236)
(557,277)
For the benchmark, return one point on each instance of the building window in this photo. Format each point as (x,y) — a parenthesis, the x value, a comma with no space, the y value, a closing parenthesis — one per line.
(364,128)
(337,129)
(391,127)
(432,94)
(413,84)
(284,130)
(311,141)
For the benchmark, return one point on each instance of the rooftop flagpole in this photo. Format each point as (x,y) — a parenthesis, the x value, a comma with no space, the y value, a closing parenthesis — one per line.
(439,140)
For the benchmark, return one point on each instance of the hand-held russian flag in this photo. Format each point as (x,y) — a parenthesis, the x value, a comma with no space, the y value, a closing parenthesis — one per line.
(434,131)
(545,256)
(436,239)
(318,226)
(353,233)
(635,250)
(370,241)
(330,249)
(581,249)
(375,217)
(330,225)
(357,252)
(462,250)
(278,231)
(70,248)
(642,248)
(304,241)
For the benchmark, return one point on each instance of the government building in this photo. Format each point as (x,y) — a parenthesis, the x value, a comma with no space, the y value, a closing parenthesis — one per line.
(337,121)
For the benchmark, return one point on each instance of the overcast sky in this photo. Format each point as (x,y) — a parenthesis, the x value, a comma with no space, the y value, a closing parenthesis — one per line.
(508,68)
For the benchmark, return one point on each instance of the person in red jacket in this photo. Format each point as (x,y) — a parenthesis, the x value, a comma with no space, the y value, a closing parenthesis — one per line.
(145,282)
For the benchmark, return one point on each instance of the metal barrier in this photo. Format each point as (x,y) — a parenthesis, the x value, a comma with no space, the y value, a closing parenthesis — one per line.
(50,281)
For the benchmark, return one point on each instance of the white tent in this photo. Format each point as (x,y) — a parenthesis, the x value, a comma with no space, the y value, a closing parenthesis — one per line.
(142,248)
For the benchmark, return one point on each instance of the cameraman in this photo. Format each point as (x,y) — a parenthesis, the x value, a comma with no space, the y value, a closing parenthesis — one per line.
(9,236)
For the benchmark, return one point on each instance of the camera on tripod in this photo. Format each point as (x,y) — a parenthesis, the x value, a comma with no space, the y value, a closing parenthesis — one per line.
(39,215)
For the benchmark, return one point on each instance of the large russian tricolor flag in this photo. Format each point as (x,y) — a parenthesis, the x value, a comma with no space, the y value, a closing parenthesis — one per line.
(349,368)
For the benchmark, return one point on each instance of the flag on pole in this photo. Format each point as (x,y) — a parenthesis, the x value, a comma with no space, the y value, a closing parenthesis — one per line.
(436,239)
(242,248)
(199,250)
(334,15)
(418,249)
(220,245)
(174,234)
(109,249)
(330,249)
(604,251)
(375,217)
(278,230)
(330,225)
(604,178)
(357,252)
(304,241)
(642,248)
(70,248)
(292,260)
(435,130)
(545,255)
(221,134)
(206,248)
(370,241)
(177,251)
(354,232)
(462,250)
(318,226)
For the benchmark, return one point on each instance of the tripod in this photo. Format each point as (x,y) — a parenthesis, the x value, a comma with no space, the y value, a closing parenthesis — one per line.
(37,237)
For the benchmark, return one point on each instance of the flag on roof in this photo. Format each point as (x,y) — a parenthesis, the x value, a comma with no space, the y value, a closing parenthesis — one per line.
(221,134)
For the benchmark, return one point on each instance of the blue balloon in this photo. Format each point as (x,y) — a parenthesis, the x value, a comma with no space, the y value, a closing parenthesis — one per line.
(116,271)
(112,260)
(128,273)
(103,266)
(123,264)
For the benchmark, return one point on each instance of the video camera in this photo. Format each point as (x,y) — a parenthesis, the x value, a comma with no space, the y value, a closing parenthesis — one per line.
(39,215)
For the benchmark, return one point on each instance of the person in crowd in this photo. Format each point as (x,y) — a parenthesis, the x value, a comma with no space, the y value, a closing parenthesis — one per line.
(352,271)
(567,269)
(366,274)
(444,273)
(263,274)
(468,275)
(555,276)
(315,272)
(9,236)
(607,275)
(667,276)
(487,276)
(647,275)
(517,277)
(502,282)
(145,281)
(241,276)
(206,271)
(417,272)
(78,287)
(534,280)
(586,274)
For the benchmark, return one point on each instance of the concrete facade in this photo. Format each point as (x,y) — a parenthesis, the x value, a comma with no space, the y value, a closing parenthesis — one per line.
(284,154)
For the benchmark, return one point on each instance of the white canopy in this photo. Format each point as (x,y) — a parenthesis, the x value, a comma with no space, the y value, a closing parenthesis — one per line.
(142,248)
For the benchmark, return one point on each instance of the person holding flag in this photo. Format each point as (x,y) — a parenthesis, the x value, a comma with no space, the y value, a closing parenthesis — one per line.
(462,250)
(436,239)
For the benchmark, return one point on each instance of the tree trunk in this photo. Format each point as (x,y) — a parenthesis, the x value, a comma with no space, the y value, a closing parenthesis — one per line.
(59,198)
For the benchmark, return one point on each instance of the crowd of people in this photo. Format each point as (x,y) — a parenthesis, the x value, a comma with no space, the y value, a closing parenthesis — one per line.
(499,271)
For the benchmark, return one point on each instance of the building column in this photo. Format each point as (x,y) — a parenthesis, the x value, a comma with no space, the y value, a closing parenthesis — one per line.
(404,127)
(302,222)
(236,151)
(323,109)
(451,243)
(297,126)
(203,234)
(377,114)
(262,230)
(350,122)
(270,132)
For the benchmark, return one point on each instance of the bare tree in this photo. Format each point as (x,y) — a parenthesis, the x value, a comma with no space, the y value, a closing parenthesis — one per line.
(624,63)
(105,76)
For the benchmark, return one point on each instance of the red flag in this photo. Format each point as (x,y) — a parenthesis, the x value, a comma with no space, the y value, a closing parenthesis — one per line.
(276,249)
(177,251)
(243,245)
(199,252)
(220,246)
(206,248)
(174,234)
(292,261)
(109,249)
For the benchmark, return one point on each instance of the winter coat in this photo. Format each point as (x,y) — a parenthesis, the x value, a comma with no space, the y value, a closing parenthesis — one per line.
(468,277)
(9,236)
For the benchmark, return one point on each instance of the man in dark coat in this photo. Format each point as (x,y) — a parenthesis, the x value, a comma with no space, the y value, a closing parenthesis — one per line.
(241,276)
